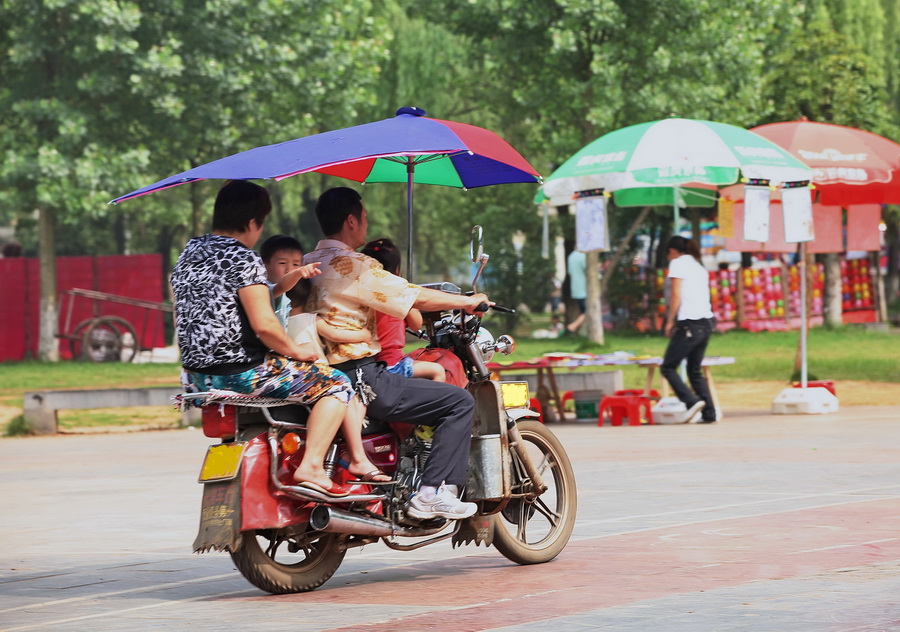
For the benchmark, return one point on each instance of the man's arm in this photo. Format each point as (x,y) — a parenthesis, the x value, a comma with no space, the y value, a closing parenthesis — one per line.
(265,324)
(433,300)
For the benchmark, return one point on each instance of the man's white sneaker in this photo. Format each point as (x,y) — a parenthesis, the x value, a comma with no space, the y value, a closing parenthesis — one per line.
(442,505)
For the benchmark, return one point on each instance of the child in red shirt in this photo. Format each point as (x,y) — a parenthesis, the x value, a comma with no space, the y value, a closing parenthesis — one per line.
(392,330)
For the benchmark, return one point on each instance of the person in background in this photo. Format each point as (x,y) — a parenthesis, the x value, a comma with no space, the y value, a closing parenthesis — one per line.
(689,324)
(392,330)
(230,338)
(576,264)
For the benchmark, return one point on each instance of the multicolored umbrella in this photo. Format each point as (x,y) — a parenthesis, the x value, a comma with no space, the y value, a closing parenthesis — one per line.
(850,166)
(670,153)
(407,148)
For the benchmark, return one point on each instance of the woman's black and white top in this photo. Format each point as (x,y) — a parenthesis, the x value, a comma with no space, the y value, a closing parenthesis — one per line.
(214,334)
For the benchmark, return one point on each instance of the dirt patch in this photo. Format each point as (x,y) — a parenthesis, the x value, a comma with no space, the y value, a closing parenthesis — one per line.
(759,395)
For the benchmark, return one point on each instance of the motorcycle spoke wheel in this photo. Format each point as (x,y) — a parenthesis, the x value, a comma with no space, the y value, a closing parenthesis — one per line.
(534,529)
(282,565)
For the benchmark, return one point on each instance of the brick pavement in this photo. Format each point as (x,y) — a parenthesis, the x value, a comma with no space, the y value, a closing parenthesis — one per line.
(760,522)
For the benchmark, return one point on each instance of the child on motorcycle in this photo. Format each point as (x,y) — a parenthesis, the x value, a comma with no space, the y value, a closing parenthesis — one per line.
(392,330)
(290,281)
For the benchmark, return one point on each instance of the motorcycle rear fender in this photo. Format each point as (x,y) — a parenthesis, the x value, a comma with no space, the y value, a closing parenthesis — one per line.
(489,462)
(262,506)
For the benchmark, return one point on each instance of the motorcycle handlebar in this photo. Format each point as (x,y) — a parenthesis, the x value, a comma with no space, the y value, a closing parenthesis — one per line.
(483,307)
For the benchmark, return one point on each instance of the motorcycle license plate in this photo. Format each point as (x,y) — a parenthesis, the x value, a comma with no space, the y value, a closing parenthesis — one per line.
(222,462)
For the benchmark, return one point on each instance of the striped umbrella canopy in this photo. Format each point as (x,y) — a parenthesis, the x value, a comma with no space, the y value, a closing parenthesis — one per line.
(671,153)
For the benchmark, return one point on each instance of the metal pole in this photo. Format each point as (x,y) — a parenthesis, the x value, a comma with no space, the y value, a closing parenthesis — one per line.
(803,314)
(410,170)
(675,210)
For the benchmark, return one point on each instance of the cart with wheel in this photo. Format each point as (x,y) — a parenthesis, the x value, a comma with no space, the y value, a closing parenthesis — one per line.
(107,337)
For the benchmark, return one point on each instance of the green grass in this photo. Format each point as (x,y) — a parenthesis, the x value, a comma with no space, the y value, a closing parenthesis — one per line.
(845,353)
(17,378)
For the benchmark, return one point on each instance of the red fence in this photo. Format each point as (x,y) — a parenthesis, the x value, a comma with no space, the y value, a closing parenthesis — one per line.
(133,276)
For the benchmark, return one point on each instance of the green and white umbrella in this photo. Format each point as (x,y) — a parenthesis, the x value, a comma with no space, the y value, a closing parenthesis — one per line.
(666,154)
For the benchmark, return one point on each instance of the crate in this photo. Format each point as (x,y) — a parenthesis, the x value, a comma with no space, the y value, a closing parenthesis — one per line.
(587,404)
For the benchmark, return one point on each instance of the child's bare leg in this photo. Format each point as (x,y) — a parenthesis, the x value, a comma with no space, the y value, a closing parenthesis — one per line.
(351,427)
(429,371)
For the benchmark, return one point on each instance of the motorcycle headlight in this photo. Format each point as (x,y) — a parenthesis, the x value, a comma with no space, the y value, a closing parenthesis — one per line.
(485,342)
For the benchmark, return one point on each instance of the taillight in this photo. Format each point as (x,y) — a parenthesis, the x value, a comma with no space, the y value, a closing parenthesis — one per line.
(219,421)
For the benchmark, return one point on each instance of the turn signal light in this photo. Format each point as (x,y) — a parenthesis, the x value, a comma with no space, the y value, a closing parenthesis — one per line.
(290,443)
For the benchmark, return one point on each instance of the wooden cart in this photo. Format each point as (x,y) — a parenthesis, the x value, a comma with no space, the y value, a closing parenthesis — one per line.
(106,337)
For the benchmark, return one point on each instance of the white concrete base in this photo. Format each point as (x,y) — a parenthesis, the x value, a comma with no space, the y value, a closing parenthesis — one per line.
(799,401)
(670,410)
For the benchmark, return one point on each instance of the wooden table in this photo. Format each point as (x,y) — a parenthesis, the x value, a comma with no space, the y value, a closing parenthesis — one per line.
(548,390)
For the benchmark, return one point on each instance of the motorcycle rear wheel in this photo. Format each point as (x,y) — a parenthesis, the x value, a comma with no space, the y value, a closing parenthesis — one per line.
(533,531)
(315,560)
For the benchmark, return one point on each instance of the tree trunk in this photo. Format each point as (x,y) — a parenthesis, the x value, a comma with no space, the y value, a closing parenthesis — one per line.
(833,308)
(623,245)
(594,315)
(696,233)
(48,345)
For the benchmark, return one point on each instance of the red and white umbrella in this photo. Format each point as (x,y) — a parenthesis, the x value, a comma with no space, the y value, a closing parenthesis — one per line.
(850,166)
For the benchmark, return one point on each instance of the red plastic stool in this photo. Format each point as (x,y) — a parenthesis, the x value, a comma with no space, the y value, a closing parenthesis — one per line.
(617,407)
(535,404)
(827,384)
(639,392)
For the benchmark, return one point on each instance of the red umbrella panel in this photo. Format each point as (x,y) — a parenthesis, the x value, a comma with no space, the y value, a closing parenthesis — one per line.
(850,166)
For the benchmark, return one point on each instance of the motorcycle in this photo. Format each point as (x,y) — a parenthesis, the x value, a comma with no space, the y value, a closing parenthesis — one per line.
(286,539)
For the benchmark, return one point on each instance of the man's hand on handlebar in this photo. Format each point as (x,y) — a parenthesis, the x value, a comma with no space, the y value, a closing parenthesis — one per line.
(477,304)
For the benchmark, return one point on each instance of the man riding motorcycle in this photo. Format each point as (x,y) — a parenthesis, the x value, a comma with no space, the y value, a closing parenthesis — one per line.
(349,289)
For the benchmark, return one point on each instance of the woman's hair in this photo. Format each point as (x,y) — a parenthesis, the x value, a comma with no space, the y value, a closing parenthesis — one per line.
(385,252)
(683,245)
(237,203)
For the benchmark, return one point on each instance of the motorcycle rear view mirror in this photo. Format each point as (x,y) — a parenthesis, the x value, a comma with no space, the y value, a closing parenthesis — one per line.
(476,246)
(476,250)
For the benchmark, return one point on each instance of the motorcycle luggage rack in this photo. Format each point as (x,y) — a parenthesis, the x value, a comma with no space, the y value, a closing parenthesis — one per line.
(221,396)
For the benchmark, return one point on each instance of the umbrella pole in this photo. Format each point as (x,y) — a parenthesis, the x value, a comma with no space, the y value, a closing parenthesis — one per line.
(410,171)
(675,210)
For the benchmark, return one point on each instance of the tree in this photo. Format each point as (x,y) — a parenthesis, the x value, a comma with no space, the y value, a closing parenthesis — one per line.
(578,69)
(100,97)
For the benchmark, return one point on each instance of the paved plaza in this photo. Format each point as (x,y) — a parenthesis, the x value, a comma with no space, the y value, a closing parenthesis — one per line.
(758,523)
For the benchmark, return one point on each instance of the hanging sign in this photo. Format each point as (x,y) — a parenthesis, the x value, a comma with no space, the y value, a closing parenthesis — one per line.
(591,227)
(726,217)
(798,216)
(756,213)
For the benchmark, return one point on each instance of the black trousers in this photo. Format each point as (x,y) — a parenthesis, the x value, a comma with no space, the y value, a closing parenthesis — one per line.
(689,341)
(425,402)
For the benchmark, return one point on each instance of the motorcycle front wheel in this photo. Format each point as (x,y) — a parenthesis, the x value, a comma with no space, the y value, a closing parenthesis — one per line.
(535,529)
(283,565)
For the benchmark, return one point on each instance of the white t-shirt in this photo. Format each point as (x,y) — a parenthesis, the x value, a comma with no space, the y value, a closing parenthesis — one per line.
(302,328)
(695,304)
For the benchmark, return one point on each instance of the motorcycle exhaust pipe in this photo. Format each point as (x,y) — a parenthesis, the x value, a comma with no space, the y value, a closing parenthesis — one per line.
(324,518)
